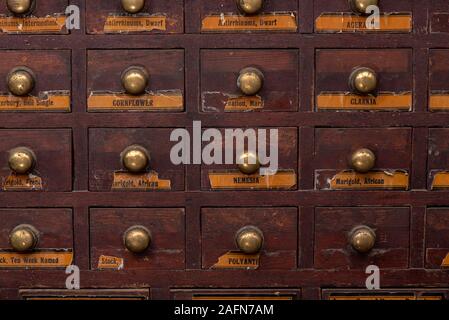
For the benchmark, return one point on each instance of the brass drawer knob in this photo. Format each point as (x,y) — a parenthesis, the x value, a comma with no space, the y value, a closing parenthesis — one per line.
(135,159)
(21,160)
(362,239)
(135,80)
(250,81)
(137,239)
(133,6)
(20,6)
(363,81)
(250,6)
(20,81)
(23,238)
(249,163)
(359,6)
(249,239)
(363,160)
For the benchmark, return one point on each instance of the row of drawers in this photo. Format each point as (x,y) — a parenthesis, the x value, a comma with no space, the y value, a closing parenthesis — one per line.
(159,16)
(231,238)
(230,80)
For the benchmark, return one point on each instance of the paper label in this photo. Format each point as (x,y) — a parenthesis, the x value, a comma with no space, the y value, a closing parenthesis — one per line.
(109,262)
(445,262)
(283,179)
(22,182)
(385,297)
(50,24)
(237,260)
(348,101)
(439,102)
(440,180)
(244,103)
(252,297)
(45,101)
(140,182)
(276,21)
(158,101)
(45,258)
(347,22)
(124,24)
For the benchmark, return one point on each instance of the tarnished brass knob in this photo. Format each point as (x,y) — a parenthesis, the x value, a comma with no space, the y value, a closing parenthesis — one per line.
(24,238)
(135,158)
(133,6)
(250,6)
(249,239)
(19,6)
(249,163)
(363,160)
(359,6)
(250,81)
(363,80)
(137,239)
(362,239)
(135,80)
(21,160)
(20,81)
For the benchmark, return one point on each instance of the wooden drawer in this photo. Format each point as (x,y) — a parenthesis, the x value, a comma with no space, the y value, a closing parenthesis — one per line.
(53,238)
(164,68)
(436,238)
(220,70)
(336,233)
(437,163)
(334,148)
(229,177)
(439,16)
(157,16)
(52,151)
(235,294)
(336,67)
(274,16)
(338,16)
(438,78)
(106,169)
(85,294)
(52,80)
(279,229)
(390,294)
(108,231)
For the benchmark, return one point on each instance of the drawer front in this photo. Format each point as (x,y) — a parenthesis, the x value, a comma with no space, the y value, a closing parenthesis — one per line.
(108,173)
(52,243)
(339,16)
(92,294)
(106,81)
(231,294)
(437,239)
(390,294)
(221,88)
(156,16)
(439,16)
(339,242)
(110,229)
(438,77)
(437,163)
(334,148)
(335,86)
(278,227)
(51,74)
(51,154)
(224,176)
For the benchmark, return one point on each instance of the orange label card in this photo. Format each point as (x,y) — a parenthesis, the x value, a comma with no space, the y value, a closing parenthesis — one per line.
(237,260)
(243,104)
(108,262)
(36,259)
(32,24)
(371,180)
(139,182)
(440,180)
(384,297)
(46,101)
(21,182)
(283,179)
(348,101)
(123,24)
(439,102)
(276,21)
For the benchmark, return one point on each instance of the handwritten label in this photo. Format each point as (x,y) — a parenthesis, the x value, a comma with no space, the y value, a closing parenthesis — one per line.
(159,101)
(21,182)
(351,180)
(283,179)
(45,258)
(141,182)
(45,101)
(346,22)
(275,21)
(237,260)
(109,262)
(348,101)
(53,24)
(244,104)
(123,24)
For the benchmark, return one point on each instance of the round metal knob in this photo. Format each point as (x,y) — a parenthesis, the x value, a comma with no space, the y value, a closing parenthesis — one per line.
(362,239)
(135,159)
(249,239)
(23,238)
(249,163)
(21,160)
(363,160)
(363,80)
(359,6)
(135,80)
(250,6)
(19,6)
(133,6)
(20,81)
(250,81)
(137,239)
